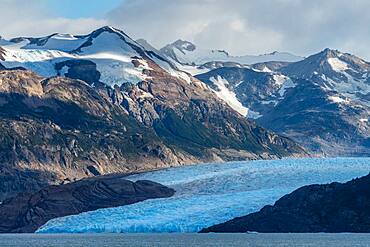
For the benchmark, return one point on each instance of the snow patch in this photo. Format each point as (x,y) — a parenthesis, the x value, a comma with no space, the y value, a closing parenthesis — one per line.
(114,63)
(267,102)
(193,70)
(109,43)
(201,56)
(266,69)
(253,114)
(338,99)
(283,82)
(238,84)
(337,64)
(227,95)
(349,88)
(176,73)
(62,42)
(364,120)
(40,61)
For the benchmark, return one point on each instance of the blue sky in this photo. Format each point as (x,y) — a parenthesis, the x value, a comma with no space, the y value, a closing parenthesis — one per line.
(81,8)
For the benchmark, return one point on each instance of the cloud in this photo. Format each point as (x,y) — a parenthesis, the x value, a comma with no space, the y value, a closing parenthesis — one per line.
(33,18)
(238,26)
(252,26)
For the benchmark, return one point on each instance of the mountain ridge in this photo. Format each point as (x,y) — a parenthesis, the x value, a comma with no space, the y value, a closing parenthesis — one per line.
(183,52)
(321,102)
(98,113)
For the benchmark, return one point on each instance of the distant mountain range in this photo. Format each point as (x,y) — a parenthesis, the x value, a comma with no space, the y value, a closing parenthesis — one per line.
(187,53)
(322,101)
(80,106)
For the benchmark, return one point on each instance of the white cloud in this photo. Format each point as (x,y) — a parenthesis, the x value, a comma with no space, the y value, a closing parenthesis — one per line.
(252,26)
(238,26)
(32,18)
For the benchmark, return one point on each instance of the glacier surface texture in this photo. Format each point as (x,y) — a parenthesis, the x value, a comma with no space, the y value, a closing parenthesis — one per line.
(208,194)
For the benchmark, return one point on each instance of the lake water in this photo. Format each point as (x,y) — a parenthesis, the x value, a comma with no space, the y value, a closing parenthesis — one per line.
(173,240)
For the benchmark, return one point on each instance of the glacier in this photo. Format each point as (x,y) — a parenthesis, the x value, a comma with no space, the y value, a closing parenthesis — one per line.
(207,194)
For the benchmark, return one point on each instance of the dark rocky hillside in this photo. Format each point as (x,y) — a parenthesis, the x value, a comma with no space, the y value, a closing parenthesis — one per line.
(315,208)
(28,211)
(57,130)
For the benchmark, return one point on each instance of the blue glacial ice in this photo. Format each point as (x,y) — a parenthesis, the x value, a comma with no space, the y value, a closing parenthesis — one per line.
(208,194)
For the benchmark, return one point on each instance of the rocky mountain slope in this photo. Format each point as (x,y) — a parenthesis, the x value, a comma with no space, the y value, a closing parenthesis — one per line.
(315,208)
(321,102)
(115,107)
(27,212)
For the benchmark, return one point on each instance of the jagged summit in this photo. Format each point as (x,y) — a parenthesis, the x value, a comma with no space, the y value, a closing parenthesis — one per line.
(328,62)
(183,45)
(108,29)
(328,53)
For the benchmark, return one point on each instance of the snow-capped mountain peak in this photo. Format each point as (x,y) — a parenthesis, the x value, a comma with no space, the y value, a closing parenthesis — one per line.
(322,101)
(109,54)
(183,45)
(185,54)
(335,71)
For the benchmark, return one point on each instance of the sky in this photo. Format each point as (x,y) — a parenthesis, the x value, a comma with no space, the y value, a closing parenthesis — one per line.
(302,27)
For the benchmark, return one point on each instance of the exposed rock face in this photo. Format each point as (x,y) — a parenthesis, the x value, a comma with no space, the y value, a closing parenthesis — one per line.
(147,46)
(315,208)
(321,102)
(256,90)
(27,212)
(58,130)
(332,102)
(189,113)
(80,69)
(179,45)
(1,54)
(320,124)
(273,66)
(118,108)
